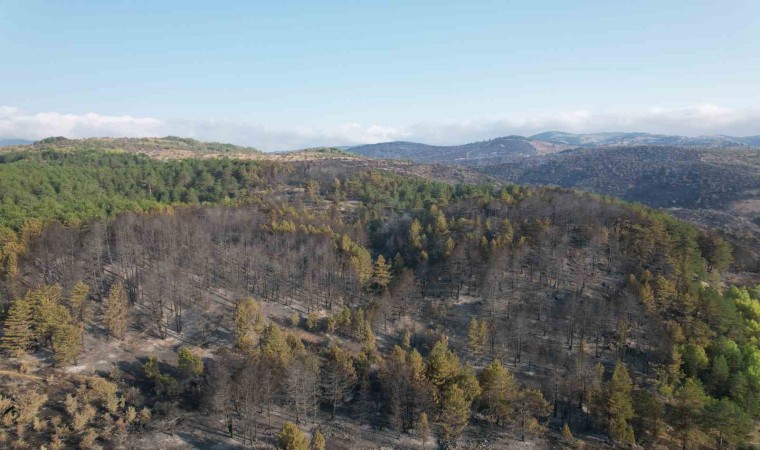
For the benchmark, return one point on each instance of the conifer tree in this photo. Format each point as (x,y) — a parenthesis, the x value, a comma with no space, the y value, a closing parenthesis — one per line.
(448,247)
(398,263)
(620,405)
(649,412)
(369,342)
(317,441)
(343,320)
(18,329)
(443,365)
(567,435)
(476,338)
(441,226)
(47,312)
(338,377)
(79,304)
(67,340)
(727,422)
(415,240)
(424,429)
(406,340)
(190,365)
(530,406)
(719,374)
(381,274)
(687,408)
(249,324)
(312,188)
(291,438)
(275,345)
(500,392)
(454,414)
(115,315)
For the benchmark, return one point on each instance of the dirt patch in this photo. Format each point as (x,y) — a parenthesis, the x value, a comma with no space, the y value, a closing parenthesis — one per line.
(749,206)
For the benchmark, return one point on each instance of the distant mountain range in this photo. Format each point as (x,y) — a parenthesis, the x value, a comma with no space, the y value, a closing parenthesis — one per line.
(513,148)
(495,151)
(617,139)
(9,142)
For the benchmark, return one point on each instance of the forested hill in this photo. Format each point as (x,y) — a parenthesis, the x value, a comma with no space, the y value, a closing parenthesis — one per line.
(225,302)
(712,188)
(655,175)
(166,147)
(494,151)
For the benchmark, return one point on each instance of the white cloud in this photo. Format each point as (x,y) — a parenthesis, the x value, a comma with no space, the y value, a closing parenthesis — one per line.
(15,123)
(690,121)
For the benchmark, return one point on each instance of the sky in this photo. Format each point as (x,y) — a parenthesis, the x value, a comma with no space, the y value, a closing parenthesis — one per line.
(293,74)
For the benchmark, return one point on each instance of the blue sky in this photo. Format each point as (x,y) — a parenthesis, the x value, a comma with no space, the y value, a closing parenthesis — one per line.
(299,73)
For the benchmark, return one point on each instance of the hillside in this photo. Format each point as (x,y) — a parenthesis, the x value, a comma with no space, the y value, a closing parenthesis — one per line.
(166,147)
(713,188)
(205,302)
(495,151)
(655,175)
(516,148)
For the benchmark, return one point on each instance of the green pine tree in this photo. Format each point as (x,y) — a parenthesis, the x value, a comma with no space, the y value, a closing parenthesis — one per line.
(620,405)
(115,315)
(500,392)
(18,329)
(67,341)
(381,274)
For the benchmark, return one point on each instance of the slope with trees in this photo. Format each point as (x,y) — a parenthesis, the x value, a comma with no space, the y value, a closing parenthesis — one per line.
(315,299)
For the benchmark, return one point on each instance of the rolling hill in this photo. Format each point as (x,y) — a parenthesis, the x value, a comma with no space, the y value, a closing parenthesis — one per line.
(499,150)
(659,176)
(165,147)
(513,148)
(711,188)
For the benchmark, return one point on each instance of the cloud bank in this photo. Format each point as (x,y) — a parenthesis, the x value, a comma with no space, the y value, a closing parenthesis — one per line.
(689,121)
